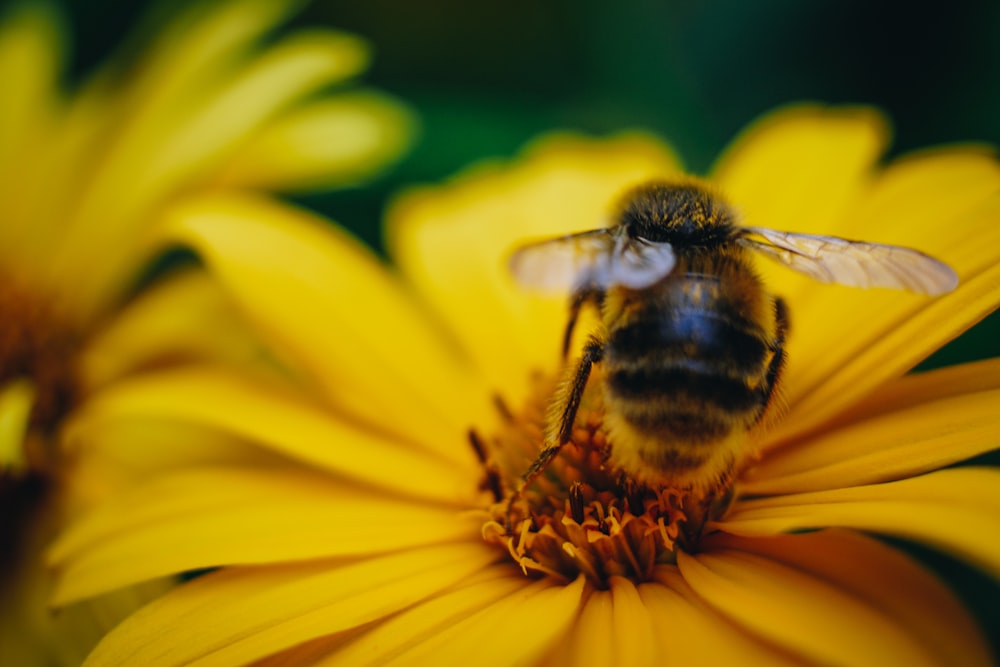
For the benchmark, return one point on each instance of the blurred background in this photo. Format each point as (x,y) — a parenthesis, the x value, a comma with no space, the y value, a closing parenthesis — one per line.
(486,76)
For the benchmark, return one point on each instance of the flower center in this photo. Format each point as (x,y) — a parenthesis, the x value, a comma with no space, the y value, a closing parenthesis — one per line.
(36,355)
(580,515)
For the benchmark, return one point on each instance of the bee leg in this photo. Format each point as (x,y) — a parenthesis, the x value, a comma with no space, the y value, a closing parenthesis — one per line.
(592,353)
(580,297)
(778,360)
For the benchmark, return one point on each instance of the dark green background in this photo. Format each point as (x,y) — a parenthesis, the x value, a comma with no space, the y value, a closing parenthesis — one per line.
(485,76)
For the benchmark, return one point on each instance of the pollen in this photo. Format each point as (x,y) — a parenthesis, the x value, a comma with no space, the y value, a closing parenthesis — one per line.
(580,515)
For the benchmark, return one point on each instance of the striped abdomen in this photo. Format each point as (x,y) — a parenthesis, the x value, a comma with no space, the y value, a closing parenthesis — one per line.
(687,362)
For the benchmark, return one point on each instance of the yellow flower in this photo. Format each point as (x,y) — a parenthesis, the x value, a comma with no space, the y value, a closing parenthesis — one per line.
(361,524)
(83,177)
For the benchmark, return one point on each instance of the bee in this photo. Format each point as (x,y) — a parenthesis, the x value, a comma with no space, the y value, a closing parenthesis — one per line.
(691,343)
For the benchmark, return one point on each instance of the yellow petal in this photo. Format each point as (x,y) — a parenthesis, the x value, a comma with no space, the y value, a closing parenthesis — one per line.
(908,200)
(516,629)
(239,615)
(798,611)
(30,59)
(395,635)
(407,630)
(885,578)
(213,517)
(288,70)
(969,378)
(910,437)
(798,169)
(335,141)
(121,118)
(591,640)
(614,627)
(16,400)
(692,633)
(632,626)
(307,653)
(125,452)
(177,147)
(453,242)
(846,342)
(282,421)
(335,312)
(31,635)
(955,510)
(168,322)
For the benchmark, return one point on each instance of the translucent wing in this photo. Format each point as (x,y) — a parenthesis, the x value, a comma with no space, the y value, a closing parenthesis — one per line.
(598,259)
(830,259)
(637,263)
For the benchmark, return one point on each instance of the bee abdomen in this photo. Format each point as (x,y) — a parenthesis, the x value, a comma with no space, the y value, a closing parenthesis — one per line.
(688,374)
(684,384)
(727,344)
(677,425)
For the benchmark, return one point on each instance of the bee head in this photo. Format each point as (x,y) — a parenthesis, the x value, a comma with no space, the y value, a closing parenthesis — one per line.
(686,215)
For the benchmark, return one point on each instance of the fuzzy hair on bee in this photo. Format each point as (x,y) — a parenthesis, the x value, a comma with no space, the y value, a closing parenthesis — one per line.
(691,344)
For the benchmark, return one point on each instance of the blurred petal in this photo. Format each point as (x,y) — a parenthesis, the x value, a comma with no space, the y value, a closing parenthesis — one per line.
(339,141)
(244,614)
(877,335)
(799,611)
(166,323)
(213,517)
(338,314)
(162,153)
(910,199)
(16,401)
(883,577)
(282,421)
(127,452)
(938,202)
(30,58)
(288,70)
(799,168)
(952,416)
(31,635)
(956,511)
(453,243)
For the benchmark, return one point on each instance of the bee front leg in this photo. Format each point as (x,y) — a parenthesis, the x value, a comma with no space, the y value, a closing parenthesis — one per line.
(592,354)
(566,405)
(580,297)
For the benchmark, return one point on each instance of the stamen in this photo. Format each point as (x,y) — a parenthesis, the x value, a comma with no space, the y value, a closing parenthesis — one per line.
(579,515)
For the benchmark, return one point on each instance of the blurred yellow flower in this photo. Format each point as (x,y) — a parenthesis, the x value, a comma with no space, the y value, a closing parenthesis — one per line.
(355,527)
(203,108)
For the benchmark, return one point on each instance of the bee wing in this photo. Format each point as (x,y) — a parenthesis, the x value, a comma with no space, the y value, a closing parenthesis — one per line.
(638,263)
(596,259)
(830,259)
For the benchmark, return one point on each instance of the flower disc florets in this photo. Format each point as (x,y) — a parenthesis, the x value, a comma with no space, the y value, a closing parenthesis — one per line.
(35,347)
(580,515)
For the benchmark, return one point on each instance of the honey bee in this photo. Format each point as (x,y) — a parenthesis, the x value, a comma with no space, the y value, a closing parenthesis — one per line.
(691,344)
